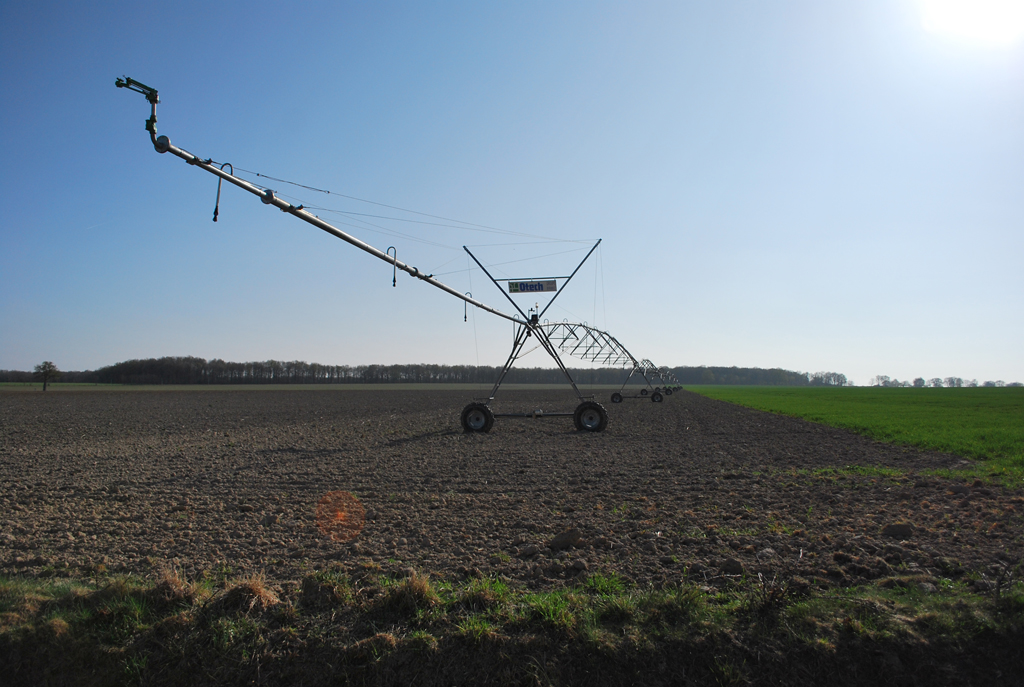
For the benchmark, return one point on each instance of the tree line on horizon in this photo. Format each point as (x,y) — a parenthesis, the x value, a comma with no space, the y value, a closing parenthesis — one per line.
(193,370)
(937,382)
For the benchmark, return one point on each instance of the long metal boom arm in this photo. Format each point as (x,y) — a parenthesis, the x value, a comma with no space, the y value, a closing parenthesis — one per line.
(163,145)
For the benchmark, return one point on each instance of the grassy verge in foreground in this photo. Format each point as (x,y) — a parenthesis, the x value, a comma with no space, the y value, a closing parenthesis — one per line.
(980,423)
(371,629)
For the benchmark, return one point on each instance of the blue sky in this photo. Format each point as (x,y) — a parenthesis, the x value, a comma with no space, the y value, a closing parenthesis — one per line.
(804,184)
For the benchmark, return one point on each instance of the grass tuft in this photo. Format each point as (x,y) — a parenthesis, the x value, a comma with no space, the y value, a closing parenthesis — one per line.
(325,588)
(605,585)
(768,597)
(372,649)
(484,594)
(172,590)
(246,595)
(409,595)
(476,629)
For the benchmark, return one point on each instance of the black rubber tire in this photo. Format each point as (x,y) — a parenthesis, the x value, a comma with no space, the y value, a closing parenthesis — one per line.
(477,417)
(656,397)
(590,417)
(668,391)
(616,397)
(643,392)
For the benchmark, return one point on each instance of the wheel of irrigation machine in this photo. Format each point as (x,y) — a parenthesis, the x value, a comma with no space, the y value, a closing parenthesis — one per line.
(477,417)
(616,397)
(590,417)
(643,392)
(656,397)
(668,391)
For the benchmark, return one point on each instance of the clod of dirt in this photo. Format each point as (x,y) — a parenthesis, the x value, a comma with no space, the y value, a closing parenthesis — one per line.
(567,539)
(731,566)
(899,530)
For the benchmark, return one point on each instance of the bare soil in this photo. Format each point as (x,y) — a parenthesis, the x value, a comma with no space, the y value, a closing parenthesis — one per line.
(229,481)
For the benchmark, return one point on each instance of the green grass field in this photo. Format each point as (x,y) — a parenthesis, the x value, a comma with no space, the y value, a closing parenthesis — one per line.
(986,424)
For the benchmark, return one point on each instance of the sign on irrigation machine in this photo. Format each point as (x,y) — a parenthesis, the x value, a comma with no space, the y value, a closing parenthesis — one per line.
(516,286)
(577,340)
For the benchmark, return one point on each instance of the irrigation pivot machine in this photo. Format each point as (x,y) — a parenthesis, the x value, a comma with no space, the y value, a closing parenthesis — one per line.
(578,340)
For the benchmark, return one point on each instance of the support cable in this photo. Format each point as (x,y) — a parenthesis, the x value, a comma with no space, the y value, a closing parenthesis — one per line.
(462,223)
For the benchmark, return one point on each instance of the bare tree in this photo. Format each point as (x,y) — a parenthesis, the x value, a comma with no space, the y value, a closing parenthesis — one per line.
(46,371)
(919,382)
(954,382)
(935,382)
(835,379)
(826,379)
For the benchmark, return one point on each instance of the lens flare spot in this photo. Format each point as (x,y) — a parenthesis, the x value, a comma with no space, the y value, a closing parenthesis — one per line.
(340,516)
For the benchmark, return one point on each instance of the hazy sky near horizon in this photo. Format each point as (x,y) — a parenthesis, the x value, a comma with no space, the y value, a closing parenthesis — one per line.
(800,184)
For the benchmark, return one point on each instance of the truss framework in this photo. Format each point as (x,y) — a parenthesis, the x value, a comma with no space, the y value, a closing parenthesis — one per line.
(594,345)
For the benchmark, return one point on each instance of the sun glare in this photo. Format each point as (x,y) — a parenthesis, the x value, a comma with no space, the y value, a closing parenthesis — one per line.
(990,22)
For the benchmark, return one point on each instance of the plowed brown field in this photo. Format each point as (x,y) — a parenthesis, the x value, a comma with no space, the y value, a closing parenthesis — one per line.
(229,481)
